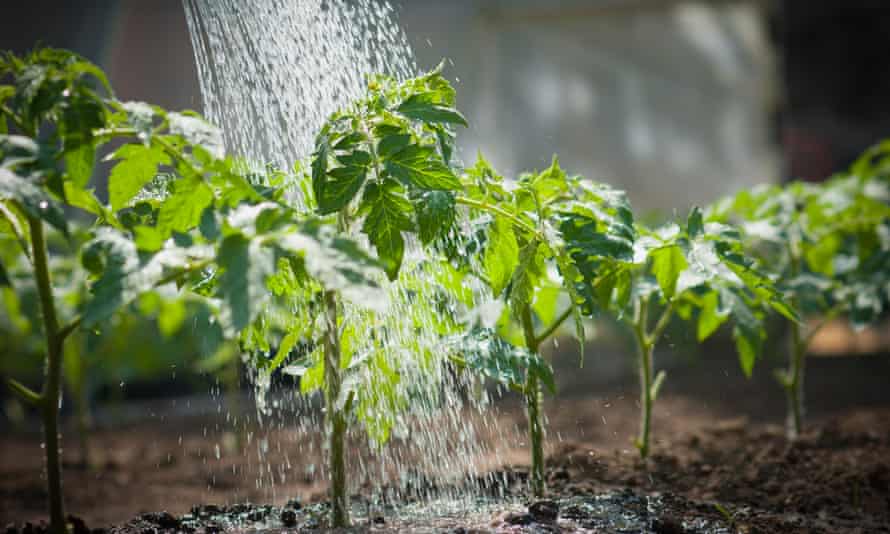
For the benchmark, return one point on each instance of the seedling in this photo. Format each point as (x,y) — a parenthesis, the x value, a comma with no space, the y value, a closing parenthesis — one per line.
(541,233)
(697,272)
(827,246)
(382,165)
(201,227)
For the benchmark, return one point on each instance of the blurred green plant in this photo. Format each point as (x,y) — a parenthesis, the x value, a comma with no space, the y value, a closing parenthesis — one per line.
(828,248)
(179,217)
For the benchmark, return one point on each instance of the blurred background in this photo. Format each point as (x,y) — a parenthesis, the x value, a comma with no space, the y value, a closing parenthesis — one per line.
(677,102)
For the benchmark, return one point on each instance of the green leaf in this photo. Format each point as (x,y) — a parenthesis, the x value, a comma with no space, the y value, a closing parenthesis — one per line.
(336,262)
(124,274)
(426,107)
(435,215)
(33,200)
(79,163)
(484,352)
(138,165)
(340,187)
(421,167)
(667,264)
(710,317)
(287,344)
(148,238)
(501,256)
(171,316)
(391,144)
(694,223)
(388,215)
(748,344)
(182,210)
(320,166)
(242,285)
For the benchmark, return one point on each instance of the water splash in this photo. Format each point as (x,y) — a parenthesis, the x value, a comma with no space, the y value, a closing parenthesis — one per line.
(271,72)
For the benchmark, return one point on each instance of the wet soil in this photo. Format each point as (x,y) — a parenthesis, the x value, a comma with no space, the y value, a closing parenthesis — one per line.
(720,463)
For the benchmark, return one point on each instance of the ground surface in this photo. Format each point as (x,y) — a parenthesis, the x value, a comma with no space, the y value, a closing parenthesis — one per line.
(718,442)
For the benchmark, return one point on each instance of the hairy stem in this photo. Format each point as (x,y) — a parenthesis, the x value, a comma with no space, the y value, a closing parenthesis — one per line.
(533,400)
(52,379)
(335,417)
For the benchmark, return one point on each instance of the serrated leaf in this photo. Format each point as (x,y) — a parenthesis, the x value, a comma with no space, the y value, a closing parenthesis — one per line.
(421,167)
(667,264)
(337,263)
(340,187)
(501,256)
(427,107)
(388,215)
(124,274)
(33,200)
(242,286)
(435,215)
(137,166)
(182,210)
(391,144)
(484,352)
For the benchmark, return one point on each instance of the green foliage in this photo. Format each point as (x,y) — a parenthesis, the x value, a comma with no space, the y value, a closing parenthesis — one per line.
(484,352)
(385,160)
(826,243)
(547,230)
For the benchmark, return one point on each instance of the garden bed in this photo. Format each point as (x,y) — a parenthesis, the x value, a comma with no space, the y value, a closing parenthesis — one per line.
(835,479)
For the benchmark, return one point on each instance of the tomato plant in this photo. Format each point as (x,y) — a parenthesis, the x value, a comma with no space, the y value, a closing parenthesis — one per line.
(827,246)
(179,216)
(696,271)
(145,340)
(541,232)
(381,168)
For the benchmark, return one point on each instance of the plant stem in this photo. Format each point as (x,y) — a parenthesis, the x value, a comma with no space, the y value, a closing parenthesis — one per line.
(491,208)
(335,418)
(644,363)
(794,378)
(533,399)
(53,378)
(646,342)
(794,384)
(542,337)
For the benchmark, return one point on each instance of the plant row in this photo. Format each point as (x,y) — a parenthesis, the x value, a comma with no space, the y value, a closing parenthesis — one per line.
(367,268)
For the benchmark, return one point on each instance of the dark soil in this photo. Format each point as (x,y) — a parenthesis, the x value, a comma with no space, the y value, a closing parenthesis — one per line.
(712,469)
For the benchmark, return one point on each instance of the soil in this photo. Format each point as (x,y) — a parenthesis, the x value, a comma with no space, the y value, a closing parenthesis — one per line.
(712,469)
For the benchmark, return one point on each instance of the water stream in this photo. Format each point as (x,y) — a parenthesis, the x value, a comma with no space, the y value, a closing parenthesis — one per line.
(271,71)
